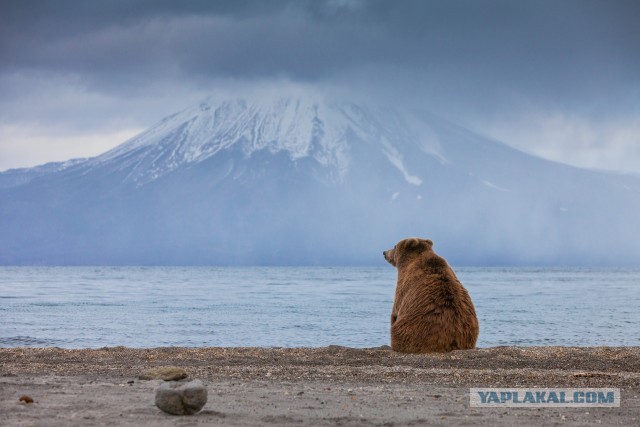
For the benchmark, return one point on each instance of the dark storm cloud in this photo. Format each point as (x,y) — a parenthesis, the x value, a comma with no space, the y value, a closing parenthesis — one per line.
(550,51)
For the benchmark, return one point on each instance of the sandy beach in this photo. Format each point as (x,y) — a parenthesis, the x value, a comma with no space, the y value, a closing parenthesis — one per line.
(333,386)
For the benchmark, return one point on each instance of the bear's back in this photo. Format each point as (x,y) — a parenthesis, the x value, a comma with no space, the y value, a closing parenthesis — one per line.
(435,311)
(430,284)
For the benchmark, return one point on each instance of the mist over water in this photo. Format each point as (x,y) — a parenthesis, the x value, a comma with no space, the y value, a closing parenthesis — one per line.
(301,179)
(91,307)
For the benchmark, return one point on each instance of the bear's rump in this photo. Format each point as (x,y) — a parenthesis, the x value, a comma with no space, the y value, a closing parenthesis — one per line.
(437,330)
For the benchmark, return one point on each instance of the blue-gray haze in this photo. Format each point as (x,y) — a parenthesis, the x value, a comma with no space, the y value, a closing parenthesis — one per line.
(242,183)
(304,181)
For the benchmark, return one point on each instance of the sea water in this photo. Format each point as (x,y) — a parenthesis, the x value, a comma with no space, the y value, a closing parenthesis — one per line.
(89,307)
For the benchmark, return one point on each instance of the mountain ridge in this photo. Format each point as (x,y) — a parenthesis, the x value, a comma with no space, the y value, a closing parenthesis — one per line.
(306,180)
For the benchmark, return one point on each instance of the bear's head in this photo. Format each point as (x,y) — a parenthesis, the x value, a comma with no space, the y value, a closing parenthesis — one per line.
(406,250)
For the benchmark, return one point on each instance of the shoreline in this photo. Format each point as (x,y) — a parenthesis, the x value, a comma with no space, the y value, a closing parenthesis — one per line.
(312,386)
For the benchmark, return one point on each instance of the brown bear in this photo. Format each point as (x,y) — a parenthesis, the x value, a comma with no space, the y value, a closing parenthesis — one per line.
(432,311)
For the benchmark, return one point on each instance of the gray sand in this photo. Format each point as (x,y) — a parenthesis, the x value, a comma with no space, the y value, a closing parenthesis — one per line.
(325,386)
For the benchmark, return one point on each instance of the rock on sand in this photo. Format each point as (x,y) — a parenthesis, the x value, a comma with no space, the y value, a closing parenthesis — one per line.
(181,398)
(167,373)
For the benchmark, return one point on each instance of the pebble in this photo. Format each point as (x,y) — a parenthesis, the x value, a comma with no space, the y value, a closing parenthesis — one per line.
(181,398)
(167,373)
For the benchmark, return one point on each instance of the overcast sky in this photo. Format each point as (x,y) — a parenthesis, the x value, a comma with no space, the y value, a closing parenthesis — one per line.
(557,78)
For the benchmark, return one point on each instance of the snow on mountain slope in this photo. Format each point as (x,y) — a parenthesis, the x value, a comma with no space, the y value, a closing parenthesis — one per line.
(300,127)
(22,176)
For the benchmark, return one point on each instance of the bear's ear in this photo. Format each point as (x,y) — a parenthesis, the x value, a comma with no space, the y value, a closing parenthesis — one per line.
(415,244)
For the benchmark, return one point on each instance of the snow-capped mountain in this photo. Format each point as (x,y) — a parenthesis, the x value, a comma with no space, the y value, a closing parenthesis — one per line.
(300,127)
(305,180)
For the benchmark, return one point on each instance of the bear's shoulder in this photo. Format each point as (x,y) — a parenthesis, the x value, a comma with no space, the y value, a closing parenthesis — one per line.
(433,263)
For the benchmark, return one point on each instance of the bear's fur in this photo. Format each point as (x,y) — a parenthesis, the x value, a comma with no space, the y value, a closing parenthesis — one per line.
(432,311)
